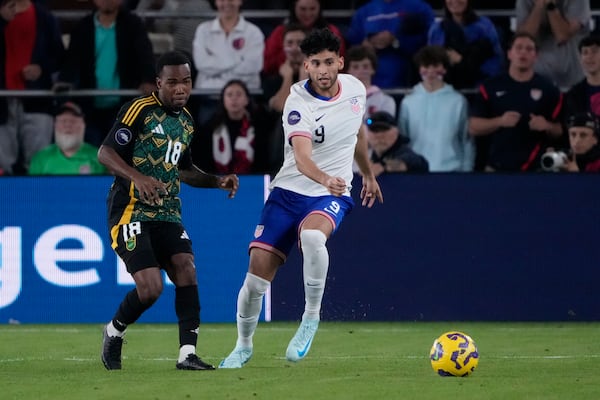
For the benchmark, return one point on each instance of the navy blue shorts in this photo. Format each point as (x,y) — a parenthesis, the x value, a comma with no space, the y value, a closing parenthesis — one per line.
(285,211)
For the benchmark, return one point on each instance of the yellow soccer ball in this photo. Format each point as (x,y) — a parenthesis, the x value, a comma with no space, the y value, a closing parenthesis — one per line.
(454,354)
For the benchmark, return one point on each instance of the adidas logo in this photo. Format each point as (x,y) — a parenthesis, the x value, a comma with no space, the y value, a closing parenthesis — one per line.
(158,130)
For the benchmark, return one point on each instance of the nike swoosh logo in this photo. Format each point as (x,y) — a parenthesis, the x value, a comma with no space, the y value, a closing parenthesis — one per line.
(302,352)
(317,119)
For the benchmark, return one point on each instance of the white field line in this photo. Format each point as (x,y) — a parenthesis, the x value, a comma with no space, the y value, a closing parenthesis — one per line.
(364,357)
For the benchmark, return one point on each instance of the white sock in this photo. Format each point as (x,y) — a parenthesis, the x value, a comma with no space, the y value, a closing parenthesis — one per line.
(112,331)
(185,351)
(249,305)
(315,266)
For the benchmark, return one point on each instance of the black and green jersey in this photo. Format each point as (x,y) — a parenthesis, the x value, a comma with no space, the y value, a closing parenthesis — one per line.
(154,140)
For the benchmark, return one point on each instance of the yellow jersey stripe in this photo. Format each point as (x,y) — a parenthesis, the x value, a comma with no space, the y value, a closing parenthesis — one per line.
(125,217)
(135,108)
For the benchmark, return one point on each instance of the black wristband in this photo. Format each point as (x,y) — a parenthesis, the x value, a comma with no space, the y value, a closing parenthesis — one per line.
(550,6)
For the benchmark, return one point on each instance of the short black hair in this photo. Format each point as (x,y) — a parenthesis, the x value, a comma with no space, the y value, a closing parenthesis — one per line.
(359,53)
(432,55)
(588,41)
(320,40)
(523,34)
(171,58)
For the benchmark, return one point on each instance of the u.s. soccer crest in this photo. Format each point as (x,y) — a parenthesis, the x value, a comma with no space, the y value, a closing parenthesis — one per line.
(354,105)
(258,231)
(536,94)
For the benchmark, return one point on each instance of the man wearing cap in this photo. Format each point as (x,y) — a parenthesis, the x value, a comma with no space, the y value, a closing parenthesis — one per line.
(584,155)
(389,149)
(69,154)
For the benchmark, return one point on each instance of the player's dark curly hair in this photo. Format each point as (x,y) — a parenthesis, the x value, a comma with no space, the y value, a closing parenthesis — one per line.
(320,40)
(171,58)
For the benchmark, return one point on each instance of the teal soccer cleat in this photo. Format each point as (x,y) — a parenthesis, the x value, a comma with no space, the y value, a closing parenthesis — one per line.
(238,357)
(302,340)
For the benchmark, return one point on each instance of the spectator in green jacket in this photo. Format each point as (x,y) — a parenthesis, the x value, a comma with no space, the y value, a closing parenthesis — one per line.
(69,154)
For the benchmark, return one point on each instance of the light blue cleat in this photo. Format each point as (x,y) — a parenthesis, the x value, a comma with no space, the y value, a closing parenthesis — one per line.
(238,357)
(302,340)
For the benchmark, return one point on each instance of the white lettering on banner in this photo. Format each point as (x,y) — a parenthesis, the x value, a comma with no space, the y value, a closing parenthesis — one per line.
(46,255)
(10,265)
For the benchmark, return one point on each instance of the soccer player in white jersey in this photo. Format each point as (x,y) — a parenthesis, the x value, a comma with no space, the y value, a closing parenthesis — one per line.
(310,195)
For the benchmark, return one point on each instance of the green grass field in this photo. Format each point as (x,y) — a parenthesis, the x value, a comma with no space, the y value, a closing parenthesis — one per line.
(347,361)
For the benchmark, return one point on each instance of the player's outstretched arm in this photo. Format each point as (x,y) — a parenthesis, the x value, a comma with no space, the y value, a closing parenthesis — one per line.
(370,188)
(195,177)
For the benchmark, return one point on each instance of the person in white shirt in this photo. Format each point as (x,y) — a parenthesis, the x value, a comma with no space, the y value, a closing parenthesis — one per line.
(228,47)
(310,195)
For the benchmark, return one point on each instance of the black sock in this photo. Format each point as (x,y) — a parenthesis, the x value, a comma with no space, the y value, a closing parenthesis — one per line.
(187,308)
(130,309)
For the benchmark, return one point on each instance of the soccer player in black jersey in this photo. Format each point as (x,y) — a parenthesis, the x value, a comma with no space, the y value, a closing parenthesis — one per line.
(148,151)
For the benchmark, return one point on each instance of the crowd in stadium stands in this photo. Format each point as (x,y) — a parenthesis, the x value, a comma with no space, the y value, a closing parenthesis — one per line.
(467,94)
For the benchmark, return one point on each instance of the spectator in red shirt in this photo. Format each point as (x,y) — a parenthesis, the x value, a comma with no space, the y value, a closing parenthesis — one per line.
(31,53)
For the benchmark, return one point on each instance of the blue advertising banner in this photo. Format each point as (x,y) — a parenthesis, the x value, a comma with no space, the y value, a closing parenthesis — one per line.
(523,247)
(56,263)
(441,247)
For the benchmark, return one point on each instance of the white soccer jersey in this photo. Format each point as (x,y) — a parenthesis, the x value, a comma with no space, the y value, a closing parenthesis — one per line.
(332,124)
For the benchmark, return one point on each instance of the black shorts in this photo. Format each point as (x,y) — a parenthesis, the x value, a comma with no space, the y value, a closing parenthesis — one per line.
(149,244)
